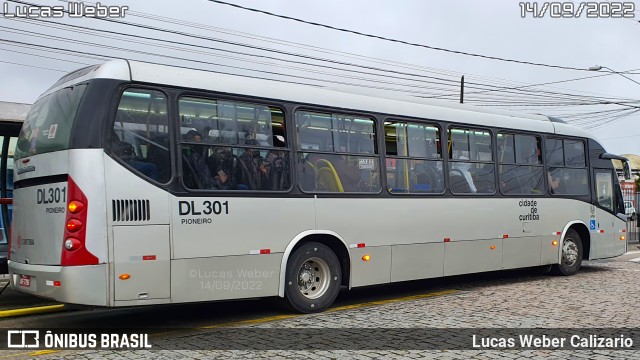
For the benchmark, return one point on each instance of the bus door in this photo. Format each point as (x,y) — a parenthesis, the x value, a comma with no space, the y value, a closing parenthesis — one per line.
(603,225)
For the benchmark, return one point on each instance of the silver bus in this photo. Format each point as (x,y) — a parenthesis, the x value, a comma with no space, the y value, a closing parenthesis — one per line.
(139,183)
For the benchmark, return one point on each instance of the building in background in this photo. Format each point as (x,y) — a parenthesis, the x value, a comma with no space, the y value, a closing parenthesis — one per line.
(12,116)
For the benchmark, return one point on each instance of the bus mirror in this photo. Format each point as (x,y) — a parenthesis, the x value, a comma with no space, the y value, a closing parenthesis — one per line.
(626,170)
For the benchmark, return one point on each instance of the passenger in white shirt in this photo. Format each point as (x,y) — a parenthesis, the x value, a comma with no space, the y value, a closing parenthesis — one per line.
(464,169)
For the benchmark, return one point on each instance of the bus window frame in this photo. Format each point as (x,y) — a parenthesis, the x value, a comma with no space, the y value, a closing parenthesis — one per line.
(107,138)
(493,136)
(542,165)
(177,138)
(591,190)
(377,153)
(426,122)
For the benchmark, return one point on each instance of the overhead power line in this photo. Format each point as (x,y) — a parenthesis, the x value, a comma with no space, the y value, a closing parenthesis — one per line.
(398,41)
(33,66)
(520,93)
(515,96)
(452,83)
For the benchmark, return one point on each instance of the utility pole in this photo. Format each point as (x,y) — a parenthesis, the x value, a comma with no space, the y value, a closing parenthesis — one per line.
(462,89)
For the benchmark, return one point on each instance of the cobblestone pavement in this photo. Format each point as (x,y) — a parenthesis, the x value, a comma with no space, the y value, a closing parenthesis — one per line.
(602,295)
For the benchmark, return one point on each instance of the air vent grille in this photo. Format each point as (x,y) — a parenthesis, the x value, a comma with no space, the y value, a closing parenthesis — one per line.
(131,210)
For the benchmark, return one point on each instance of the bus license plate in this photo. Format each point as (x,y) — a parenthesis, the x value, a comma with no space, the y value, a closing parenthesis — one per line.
(25,280)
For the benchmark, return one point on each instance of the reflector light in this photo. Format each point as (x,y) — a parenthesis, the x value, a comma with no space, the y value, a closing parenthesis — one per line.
(74,225)
(57,283)
(72,244)
(505,236)
(554,243)
(75,206)
(361,245)
(447,239)
(265,251)
(124,276)
(366,258)
(493,247)
(622,237)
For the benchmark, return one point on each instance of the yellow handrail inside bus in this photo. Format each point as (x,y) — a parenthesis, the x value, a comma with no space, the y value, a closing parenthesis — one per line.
(326,172)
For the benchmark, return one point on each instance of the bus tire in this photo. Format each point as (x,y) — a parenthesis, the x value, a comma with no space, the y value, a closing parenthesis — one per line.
(571,258)
(313,278)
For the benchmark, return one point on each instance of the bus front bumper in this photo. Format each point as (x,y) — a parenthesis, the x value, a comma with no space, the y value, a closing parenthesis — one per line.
(86,285)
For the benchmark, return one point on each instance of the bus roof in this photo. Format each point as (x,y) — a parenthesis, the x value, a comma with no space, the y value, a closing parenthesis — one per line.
(270,89)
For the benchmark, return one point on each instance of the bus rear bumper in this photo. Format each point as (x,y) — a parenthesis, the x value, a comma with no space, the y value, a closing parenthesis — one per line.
(86,285)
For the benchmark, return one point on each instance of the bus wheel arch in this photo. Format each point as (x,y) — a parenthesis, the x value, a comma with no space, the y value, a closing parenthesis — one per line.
(328,238)
(585,237)
(574,248)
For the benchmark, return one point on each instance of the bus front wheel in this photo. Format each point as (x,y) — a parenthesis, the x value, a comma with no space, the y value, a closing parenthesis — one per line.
(571,258)
(313,278)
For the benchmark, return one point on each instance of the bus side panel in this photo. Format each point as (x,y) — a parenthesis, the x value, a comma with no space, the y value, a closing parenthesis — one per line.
(465,257)
(226,277)
(141,262)
(135,210)
(213,225)
(519,252)
(417,261)
(123,188)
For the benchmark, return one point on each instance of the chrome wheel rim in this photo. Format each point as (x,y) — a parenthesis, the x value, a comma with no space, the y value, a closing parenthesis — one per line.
(314,278)
(569,252)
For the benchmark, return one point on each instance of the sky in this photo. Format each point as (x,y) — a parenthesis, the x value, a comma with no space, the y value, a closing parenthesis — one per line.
(36,52)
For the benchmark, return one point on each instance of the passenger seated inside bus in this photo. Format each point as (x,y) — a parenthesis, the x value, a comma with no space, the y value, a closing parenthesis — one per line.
(276,167)
(253,170)
(196,170)
(126,152)
(223,160)
(221,181)
(554,183)
(463,169)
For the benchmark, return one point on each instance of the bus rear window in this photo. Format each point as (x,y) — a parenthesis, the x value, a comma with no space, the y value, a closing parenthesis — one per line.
(48,125)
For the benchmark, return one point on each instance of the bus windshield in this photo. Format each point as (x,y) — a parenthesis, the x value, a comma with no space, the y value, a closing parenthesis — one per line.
(48,125)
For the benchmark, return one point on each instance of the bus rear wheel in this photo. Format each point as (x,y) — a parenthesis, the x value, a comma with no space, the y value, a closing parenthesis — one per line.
(571,258)
(313,278)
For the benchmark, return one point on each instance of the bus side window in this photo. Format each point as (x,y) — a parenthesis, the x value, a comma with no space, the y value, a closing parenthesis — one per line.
(567,163)
(140,133)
